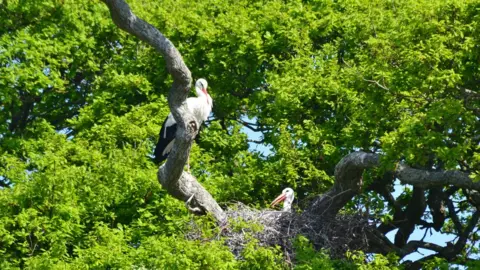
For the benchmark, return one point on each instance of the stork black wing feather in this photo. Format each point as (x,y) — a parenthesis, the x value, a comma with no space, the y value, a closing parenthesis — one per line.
(164,141)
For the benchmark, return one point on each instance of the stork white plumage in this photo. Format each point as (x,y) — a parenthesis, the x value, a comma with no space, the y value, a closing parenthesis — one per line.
(287,197)
(199,106)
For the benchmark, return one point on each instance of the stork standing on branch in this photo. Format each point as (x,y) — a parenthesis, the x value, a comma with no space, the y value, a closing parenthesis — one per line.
(178,183)
(199,106)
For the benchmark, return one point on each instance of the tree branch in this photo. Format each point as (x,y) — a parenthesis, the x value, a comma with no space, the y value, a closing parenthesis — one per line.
(171,175)
(450,252)
(414,245)
(250,126)
(462,241)
(377,83)
(429,179)
(348,182)
(437,209)
(468,93)
(413,214)
(4,184)
(380,186)
(453,215)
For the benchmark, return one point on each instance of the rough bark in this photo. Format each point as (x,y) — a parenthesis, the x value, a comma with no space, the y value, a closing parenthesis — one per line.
(348,183)
(431,179)
(437,208)
(171,175)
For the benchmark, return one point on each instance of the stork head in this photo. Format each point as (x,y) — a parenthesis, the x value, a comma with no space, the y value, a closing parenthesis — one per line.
(287,198)
(201,87)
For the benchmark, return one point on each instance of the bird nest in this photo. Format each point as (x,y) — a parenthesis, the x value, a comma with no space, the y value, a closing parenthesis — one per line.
(335,235)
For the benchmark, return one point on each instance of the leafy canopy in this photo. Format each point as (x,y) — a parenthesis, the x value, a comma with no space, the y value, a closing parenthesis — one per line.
(81,103)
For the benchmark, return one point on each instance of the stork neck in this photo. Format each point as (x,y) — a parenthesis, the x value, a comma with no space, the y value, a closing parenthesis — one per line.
(287,204)
(199,92)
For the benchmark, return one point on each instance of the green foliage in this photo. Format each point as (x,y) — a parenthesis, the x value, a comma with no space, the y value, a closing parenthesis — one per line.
(81,104)
(378,262)
(442,264)
(256,257)
(308,258)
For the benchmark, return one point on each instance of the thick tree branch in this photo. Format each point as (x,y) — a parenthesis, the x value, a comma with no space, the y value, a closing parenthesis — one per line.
(413,214)
(473,197)
(437,209)
(124,18)
(348,182)
(412,246)
(381,187)
(171,175)
(429,179)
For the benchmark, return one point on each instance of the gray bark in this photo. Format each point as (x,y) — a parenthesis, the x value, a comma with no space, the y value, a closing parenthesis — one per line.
(348,183)
(430,179)
(171,175)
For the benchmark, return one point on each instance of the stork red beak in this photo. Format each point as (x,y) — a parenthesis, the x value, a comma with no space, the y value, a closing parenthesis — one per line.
(206,94)
(280,198)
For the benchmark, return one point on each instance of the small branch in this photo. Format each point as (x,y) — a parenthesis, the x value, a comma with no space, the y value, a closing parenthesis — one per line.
(473,197)
(468,92)
(3,184)
(450,191)
(450,252)
(425,224)
(414,245)
(453,215)
(418,264)
(379,243)
(377,83)
(256,141)
(462,241)
(367,80)
(251,126)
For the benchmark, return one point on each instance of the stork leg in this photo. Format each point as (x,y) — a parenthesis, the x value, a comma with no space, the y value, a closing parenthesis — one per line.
(189,200)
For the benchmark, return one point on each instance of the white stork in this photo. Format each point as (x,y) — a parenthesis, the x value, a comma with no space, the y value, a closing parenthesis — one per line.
(287,197)
(199,106)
